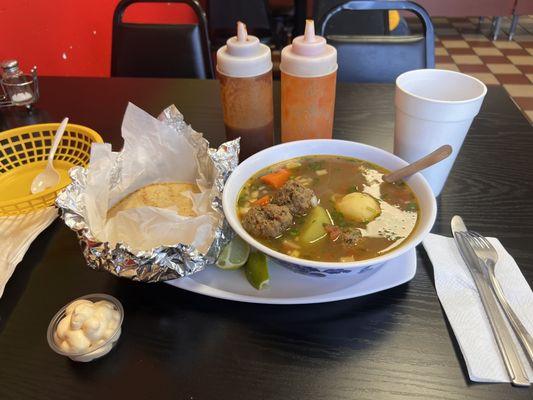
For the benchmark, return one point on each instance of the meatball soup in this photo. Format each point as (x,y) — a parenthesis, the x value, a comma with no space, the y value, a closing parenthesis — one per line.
(327,208)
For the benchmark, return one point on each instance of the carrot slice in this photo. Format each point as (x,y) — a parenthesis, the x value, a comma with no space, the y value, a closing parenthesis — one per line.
(263,201)
(276,179)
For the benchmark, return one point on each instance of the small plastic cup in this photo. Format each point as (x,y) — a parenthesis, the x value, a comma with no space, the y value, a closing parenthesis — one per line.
(434,107)
(96,351)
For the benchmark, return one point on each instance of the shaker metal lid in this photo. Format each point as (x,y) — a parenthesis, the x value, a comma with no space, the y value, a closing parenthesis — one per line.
(10,65)
(243,55)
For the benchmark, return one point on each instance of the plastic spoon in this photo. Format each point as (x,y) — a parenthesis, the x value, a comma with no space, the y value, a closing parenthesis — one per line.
(49,177)
(432,158)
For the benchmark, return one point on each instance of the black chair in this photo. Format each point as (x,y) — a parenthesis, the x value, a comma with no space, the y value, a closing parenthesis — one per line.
(364,22)
(282,21)
(380,58)
(223,15)
(161,50)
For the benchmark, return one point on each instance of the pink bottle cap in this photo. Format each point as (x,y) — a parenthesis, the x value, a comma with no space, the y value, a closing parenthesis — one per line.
(243,55)
(309,55)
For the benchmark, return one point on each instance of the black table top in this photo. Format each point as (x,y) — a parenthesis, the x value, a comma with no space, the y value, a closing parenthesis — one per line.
(175,344)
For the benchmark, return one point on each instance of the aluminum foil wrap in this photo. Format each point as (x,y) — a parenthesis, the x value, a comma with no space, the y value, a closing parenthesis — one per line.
(164,262)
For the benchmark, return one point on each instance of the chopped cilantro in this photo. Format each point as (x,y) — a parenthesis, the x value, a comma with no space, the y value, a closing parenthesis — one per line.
(242,199)
(411,206)
(315,166)
(338,218)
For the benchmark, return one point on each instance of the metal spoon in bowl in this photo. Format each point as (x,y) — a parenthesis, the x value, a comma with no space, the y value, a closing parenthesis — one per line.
(432,158)
(49,177)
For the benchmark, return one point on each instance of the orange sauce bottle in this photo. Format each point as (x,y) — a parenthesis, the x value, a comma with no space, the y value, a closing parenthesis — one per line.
(308,78)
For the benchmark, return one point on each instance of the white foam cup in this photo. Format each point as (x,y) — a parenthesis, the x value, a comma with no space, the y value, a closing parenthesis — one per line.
(434,107)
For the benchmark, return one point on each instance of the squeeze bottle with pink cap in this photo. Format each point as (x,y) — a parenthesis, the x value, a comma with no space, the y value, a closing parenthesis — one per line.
(244,69)
(308,77)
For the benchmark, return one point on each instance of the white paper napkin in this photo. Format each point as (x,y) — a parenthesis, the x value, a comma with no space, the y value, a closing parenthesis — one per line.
(16,235)
(459,297)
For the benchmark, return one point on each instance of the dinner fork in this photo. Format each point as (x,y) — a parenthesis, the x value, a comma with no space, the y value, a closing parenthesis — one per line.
(488,254)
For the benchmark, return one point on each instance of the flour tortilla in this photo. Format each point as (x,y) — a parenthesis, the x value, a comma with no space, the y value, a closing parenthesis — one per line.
(162,195)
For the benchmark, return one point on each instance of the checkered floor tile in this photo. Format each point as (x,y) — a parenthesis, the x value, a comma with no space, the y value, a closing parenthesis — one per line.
(462,44)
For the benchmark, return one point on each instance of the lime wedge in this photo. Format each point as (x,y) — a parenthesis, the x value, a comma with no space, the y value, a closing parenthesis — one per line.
(256,270)
(234,255)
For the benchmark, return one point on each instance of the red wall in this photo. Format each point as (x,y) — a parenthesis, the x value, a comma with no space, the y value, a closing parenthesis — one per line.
(72,37)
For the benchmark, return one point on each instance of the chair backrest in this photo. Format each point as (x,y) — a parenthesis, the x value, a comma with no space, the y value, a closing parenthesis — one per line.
(380,58)
(364,22)
(223,15)
(469,8)
(522,7)
(160,50)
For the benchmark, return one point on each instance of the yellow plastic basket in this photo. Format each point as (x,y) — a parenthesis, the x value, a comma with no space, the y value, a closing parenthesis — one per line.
(23,154)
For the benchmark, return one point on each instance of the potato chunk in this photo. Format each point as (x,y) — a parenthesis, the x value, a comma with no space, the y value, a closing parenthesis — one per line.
(359,207)
(313,228)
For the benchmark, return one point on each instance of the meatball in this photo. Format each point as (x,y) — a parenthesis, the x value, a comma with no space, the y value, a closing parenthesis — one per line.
(267,221)
(347,236)
(350,236)
(297,197)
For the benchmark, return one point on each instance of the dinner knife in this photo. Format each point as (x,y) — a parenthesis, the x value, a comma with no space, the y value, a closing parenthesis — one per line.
(501,333)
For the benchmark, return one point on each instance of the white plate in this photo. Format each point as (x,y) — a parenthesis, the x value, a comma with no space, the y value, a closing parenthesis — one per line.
(287,287)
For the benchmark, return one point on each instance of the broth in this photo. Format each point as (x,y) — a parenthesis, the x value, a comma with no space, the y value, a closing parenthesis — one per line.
(350,215)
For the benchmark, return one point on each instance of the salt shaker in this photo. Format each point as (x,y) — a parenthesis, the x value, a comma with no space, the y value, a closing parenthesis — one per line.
(17,86)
